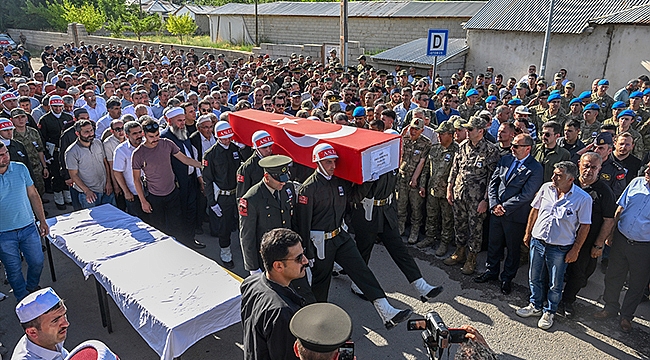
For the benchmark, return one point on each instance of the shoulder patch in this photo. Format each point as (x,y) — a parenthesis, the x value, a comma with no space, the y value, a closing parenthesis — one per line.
(303,199)
(243,207)
(620,176)
(605,176)
(205,162)
(240,178)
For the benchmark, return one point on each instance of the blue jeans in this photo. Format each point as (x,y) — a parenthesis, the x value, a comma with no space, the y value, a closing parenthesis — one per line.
(101,200)
(546,259)
(27,241)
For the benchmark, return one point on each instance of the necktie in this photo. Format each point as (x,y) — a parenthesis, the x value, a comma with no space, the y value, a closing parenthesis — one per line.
(514,168)
(276,194)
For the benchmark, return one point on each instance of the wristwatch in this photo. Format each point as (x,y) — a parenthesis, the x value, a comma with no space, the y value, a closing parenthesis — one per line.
(598,247)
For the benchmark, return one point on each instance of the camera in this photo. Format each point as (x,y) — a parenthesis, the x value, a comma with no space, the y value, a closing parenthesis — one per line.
(346,351)
(435,334)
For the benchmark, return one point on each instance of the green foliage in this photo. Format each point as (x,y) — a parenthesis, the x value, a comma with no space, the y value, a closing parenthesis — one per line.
(114,9)
(181,25)
(51,11)
(139,26)
(87,14)
(115,27)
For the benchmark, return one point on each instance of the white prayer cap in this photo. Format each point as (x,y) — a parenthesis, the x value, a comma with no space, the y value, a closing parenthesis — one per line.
(203,118)
(36,304)
(175,111)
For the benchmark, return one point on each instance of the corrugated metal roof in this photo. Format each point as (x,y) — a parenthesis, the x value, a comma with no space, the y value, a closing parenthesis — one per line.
(357,9)
(198,9)
(635,15)
(569,16)
(161,7)
(415,52)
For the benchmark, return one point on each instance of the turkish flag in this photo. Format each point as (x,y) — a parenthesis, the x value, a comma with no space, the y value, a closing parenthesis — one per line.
(364,154)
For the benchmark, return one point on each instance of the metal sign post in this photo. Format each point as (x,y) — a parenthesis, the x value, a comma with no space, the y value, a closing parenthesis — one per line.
(437,46)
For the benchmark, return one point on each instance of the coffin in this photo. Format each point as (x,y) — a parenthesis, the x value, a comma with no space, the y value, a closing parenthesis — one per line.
(364,155)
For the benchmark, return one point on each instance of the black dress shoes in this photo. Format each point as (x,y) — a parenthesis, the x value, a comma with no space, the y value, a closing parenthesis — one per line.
(485,277)
(198,245)
(506,287)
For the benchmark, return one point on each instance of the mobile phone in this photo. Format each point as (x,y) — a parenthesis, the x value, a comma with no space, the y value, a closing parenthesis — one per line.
(346,351)
(457,336)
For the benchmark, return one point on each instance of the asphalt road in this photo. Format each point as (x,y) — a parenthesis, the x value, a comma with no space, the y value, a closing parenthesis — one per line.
(462,302)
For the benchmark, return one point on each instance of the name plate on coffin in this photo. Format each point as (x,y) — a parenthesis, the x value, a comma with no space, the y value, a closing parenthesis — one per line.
(364,154)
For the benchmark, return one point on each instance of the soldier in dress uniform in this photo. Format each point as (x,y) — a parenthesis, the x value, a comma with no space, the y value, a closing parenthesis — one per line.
(220,164)
(250,173)
(267,205)
(467,192)
(612,173)
(322,202)
(374,214)
(440,217)
(415,148)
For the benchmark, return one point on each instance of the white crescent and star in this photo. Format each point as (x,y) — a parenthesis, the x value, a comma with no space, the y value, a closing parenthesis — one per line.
(309,140)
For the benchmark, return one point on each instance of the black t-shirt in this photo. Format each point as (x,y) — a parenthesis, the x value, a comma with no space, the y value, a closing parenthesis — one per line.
(603,206)
(631,165)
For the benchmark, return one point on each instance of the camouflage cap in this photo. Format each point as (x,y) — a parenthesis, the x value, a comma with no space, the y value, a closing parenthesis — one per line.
(446,127)
(475,122)
(417,123)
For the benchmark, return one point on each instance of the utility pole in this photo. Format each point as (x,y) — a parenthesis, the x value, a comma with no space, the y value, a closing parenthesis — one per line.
(547,38)
(344,33)
(257,38)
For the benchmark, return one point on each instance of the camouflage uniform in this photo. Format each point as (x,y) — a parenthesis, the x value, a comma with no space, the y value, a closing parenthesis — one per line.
(642,124)
(559,118)
(587,131)
(440,217)
(412,152)
(466,111)
(470,173)
(605,103)
(33,142)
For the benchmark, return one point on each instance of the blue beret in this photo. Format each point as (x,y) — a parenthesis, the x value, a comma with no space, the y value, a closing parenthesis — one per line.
(636,94)
(394,91)
(592,106)
(440,89)
(514,102)
(471,92)
(555,96)
(491,98)
(584,95)
(603,138)
(359,111)
(618,105)
(627,112)
(575,101)
(555,92)
(603,82)
(646,92)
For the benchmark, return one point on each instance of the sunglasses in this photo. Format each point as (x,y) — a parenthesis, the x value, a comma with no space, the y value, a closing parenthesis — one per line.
(547,134)
(297,259)
(517,146)
(150,128)
(119,129)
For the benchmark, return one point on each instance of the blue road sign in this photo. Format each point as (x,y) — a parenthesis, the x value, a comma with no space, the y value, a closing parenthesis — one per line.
(437,42)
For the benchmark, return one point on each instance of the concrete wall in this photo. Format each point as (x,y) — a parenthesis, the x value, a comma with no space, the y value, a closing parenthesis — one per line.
(284,51)
(445,69)
(39,39)
(628,54)
(372,33)
(586,56)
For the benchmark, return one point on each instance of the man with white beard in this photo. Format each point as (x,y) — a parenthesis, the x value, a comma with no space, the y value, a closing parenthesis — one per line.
(187,177)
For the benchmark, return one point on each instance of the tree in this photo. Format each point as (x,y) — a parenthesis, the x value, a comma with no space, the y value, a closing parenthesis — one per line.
(140,26)
(115,27)
(52,12)
(181,25)
(88,15)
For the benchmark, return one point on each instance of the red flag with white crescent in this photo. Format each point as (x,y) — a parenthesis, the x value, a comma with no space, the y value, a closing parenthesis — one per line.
(363,154)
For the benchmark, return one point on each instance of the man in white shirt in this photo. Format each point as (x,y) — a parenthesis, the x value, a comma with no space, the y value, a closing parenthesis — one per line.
(43,316)
(557,227)
(95,109)
(122,167)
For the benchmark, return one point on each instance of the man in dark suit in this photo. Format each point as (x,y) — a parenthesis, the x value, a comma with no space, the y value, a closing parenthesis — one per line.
(203,139)
(514,183)
(187,178)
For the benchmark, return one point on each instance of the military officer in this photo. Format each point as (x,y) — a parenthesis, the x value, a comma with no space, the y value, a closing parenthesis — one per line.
(625,119)
(603,100)
(554,111)
(33,142)
(374,214)
(440,217)
(220,164)
(250,173)
(415,148)
(322,201)
(590,126)
(617,107)
(467,192)
(611,173)
(468,108)
(268,205)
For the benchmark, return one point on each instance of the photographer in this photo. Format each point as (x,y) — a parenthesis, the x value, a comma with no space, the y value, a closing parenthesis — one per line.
(475,348)
(322,331)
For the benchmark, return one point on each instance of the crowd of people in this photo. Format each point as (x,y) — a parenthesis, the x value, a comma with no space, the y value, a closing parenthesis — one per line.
(553,176)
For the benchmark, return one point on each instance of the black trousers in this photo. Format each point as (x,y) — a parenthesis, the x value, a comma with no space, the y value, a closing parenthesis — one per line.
(394,245)
(578,272)
(626,258)
(135,208)
(504,234)
(189,192)
(166,216)
(224,226)
(342,249)
(54,167)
